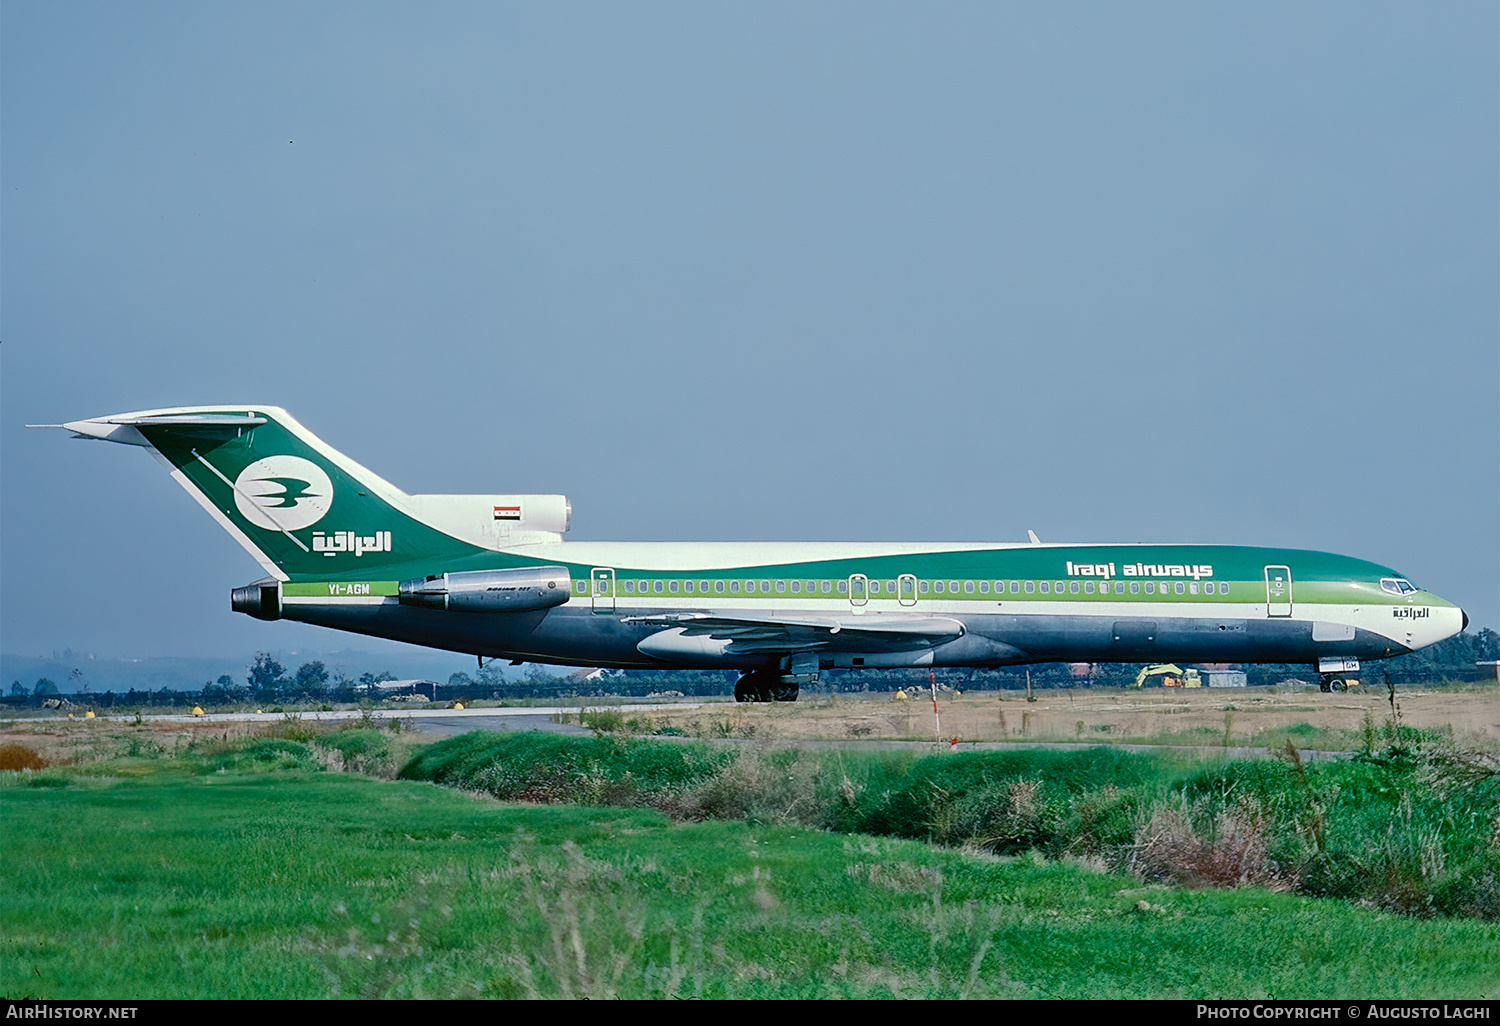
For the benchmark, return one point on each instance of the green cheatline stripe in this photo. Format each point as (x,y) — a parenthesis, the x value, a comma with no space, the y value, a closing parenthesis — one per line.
(739,582)
(1239,592)
(339,589)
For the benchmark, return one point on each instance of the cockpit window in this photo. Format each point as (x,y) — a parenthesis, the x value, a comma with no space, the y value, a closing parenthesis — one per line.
(1397,585)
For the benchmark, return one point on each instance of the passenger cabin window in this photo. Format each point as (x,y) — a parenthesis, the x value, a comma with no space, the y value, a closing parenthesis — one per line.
(1029,586)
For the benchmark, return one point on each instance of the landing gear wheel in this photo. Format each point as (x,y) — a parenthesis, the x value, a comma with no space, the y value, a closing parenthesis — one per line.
(755,686)
(1326,683)
(765,683)
(764,686)
(785,692)
(1339,685)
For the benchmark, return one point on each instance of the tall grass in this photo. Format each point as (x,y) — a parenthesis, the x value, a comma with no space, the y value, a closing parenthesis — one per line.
(537,766)
(1414,835)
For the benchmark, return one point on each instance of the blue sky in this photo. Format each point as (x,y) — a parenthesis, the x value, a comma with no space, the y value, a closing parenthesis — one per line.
(1147,272)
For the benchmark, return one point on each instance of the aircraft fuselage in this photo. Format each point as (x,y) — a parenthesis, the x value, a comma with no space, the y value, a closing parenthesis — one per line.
(1016,604)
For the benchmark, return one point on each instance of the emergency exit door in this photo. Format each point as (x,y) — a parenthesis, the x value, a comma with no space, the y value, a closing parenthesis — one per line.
(602,588)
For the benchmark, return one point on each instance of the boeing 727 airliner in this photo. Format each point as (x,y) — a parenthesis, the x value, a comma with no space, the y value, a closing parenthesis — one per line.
(490,575)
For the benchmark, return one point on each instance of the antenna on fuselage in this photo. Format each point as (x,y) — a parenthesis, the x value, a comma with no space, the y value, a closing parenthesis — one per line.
(1032,535)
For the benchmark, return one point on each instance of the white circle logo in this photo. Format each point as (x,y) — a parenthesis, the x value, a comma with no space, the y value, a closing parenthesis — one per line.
(283,493)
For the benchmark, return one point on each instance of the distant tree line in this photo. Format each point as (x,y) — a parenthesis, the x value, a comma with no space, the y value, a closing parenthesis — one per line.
(269,682)
(266,682)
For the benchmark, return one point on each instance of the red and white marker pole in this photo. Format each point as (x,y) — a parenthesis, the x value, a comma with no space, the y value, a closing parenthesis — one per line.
(936,723)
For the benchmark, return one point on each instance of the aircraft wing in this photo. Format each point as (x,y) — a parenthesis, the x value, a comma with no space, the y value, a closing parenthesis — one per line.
(871,632)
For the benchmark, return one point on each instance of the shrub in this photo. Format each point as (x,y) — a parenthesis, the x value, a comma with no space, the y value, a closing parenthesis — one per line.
(360,741)
(1234,851)
(543,767)
(18,757)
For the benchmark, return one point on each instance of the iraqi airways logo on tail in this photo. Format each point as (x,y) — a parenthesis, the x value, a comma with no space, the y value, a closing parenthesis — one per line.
(347,541)
(283,493)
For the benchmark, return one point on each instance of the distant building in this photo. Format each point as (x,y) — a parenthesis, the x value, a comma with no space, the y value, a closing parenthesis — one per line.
(1225,678)
(398,688)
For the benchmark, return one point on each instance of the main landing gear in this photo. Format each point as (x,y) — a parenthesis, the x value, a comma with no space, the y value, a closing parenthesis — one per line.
(1329,682)
(765,686)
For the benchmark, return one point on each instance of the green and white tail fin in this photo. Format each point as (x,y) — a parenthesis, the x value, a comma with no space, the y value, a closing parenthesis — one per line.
(304,510)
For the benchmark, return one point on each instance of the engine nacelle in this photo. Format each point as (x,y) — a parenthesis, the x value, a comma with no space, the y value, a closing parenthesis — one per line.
(261,600)
(490,591)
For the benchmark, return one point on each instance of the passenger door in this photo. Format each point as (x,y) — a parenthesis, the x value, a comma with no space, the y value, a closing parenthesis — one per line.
(602,588)
(1278,591)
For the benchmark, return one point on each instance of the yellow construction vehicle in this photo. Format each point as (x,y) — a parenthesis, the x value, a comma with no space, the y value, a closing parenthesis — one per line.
(1172,676)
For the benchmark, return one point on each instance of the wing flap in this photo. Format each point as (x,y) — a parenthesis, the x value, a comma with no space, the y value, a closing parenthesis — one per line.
(871,632)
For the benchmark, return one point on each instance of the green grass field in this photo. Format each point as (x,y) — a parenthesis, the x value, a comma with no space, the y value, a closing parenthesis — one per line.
(252,872)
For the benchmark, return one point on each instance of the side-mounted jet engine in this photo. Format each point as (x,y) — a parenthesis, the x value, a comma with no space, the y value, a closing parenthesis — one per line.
(490,591)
